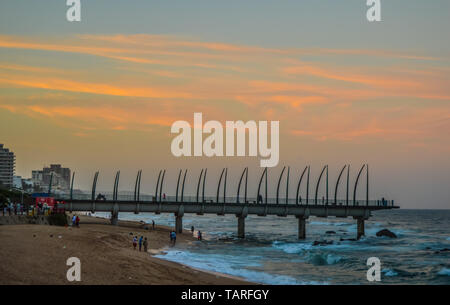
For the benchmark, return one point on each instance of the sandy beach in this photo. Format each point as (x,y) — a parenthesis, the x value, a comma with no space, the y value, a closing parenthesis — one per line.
(37,254)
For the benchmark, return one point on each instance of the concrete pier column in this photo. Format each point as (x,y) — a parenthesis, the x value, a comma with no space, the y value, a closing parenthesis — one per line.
(241,226)
(114,218)
(115,214)
(301,227)
(178,224)
(360,227)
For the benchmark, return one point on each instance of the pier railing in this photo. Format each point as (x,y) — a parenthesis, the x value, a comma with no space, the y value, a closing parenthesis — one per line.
(228,200)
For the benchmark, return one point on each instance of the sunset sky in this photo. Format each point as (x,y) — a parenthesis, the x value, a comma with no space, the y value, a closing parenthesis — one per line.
(101,94)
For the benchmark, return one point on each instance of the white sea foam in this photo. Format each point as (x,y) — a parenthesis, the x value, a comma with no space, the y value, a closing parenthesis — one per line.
(329,223)
(291,248)
(231,265)
(389,272)
(444,271)
(321,259)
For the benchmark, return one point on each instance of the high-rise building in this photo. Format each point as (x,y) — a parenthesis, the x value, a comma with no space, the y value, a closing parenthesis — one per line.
(7,166)
(59,176)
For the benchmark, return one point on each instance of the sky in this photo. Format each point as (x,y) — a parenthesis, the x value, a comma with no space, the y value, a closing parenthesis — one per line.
(101,94)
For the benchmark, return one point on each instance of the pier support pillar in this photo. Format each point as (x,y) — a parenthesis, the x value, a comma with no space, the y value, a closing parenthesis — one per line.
(178,224)
(114,218)
(241,226)
(301,227)
(115,214)
(360,227)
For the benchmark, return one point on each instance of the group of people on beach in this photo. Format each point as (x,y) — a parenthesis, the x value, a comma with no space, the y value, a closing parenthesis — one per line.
(13,208)
(75,221)
(199,233)
(142,241)
(10,208)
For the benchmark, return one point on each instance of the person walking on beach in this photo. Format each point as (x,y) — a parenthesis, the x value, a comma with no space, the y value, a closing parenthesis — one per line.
(153,224)
(192,229)
(199,235)
(145,244)
(77,221)
(174,238)
(134,242)
(140,242)
(74,219)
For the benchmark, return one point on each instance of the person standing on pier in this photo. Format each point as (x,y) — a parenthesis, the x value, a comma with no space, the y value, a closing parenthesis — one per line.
(260,199)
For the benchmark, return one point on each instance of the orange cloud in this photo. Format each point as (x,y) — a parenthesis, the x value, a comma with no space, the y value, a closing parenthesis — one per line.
(157,79)
(89,87)
(384,82)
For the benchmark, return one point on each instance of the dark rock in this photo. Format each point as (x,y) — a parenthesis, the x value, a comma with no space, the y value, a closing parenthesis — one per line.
(387,233)
(348,239)
(322,242)
(441,251)
(330,232)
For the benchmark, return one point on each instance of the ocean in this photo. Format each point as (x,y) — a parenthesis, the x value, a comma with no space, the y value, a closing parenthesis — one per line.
(272,254)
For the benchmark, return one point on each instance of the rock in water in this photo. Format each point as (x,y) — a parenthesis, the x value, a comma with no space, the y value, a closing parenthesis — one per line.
(386,232)
(322,242)
(330,232)
(348,239)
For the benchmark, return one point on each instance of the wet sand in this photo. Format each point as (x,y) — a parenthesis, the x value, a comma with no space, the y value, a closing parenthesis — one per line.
(37,254)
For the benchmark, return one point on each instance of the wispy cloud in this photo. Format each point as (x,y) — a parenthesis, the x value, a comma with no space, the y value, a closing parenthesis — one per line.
(153,80)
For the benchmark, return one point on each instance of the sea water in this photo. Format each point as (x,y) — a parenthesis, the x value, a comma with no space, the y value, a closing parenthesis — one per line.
(272,254)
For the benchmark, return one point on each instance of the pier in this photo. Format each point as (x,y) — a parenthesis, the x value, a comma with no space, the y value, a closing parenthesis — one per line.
(240,205)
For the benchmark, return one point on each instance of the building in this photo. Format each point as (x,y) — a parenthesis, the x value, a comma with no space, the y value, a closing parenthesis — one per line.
(7,166)
(25,184)
(58,175)
(17,182)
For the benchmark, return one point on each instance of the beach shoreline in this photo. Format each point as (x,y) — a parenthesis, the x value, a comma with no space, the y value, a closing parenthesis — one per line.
(37,254)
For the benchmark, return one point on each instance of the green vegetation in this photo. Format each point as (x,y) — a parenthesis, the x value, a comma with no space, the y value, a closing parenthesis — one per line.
(13,196)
